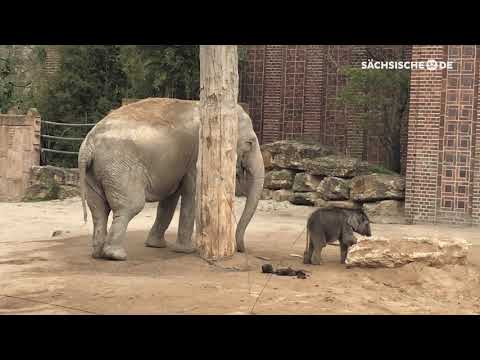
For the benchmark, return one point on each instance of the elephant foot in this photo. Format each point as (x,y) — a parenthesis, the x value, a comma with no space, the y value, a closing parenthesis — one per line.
(306,259)
(182,248)
(114,253)
(97,252)
(316,260)
(156,242)
(240,248)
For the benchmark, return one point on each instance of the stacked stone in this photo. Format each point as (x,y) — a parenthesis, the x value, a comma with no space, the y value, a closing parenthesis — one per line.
(308,173)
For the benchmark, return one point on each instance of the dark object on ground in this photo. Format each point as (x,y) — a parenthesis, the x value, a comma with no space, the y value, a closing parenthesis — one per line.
(268,269)
(324,226)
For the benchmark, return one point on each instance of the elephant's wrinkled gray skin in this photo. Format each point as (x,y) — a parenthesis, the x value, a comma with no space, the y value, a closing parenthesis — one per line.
(327,225)
(147,152)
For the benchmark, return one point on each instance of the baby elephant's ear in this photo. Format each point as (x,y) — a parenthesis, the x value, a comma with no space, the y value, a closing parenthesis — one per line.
(354,219)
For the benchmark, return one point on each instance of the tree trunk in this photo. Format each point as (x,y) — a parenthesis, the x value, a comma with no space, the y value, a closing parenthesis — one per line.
(215,219)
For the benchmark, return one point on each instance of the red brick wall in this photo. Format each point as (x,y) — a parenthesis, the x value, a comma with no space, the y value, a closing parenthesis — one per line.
(441,174)
(272,92)
(423,137)
(292,93)
(251,85)
(314,93)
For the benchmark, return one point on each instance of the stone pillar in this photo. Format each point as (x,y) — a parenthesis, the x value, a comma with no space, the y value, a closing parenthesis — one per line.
(19,151)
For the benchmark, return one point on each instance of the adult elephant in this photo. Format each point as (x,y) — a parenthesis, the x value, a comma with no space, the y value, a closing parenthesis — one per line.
(147,152)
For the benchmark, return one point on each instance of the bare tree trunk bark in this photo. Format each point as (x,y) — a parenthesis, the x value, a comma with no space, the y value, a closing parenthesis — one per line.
(215,221)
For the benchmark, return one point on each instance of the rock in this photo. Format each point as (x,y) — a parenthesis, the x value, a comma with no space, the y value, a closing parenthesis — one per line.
(51,183)
(282,195)
(386,212)
(377,187)
(321,203)
(267,194)
(380,252)
(267,159)
(333,188)
(62,176)
(304,198)
(57,233)
(304,182)
(337,204)
(39,192)
(337,166)
(279,179)
(291,154)
(67,191)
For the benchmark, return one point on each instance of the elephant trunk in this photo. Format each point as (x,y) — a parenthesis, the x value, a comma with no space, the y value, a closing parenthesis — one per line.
(256,172)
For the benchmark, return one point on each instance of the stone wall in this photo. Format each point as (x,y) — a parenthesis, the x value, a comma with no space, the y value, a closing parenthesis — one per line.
(307,173)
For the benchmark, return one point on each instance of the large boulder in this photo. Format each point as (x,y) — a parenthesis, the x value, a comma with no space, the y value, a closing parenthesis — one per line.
(304,182)
(282,195)
(386,212)
(337,204)
(337,166)
(333,188)
(291,154)
(279,179)
(377,187)
(304,198)
(377,252)
(62,176)
(51,183)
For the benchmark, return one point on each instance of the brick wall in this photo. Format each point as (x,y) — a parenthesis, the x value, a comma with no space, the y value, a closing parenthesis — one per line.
(52,61)
(441,172)
(292,93)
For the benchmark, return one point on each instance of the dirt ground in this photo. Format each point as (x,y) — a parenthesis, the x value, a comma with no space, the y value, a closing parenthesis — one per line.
(41,274)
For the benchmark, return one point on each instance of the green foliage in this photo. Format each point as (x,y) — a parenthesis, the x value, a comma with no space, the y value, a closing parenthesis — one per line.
(17,67)
(162,70)
(89,84)
(381,97)
(46,189)
(92,80)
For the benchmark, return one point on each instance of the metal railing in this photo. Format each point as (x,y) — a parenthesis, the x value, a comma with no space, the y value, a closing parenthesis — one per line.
(61,138)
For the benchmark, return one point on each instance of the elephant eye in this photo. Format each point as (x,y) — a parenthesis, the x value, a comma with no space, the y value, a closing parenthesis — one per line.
(250,143)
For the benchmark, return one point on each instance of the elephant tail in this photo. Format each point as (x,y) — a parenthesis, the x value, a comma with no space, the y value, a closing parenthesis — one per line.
(85,157)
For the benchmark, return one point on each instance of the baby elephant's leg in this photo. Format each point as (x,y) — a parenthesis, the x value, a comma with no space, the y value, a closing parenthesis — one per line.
(343,252)
(318,242)
(347,239)
(307,255)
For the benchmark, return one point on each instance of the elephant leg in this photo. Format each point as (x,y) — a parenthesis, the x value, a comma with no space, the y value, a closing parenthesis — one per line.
(187,213)
(165,211)
(307,256)
(100,210)
(343,253)
(318,241)
(131,206)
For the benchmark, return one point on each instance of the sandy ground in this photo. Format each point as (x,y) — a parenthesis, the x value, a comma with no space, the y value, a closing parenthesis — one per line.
(41,274)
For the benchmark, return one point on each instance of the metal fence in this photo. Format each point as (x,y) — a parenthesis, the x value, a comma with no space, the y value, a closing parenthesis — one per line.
(45,145)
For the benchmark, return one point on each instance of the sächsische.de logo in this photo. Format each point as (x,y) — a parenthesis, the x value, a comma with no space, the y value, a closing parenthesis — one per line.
(430,65)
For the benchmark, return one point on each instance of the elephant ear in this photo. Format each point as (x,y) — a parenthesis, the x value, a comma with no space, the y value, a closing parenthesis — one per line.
(354,220)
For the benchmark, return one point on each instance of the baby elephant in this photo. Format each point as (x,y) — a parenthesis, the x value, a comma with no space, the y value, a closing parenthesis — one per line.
(327,225)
